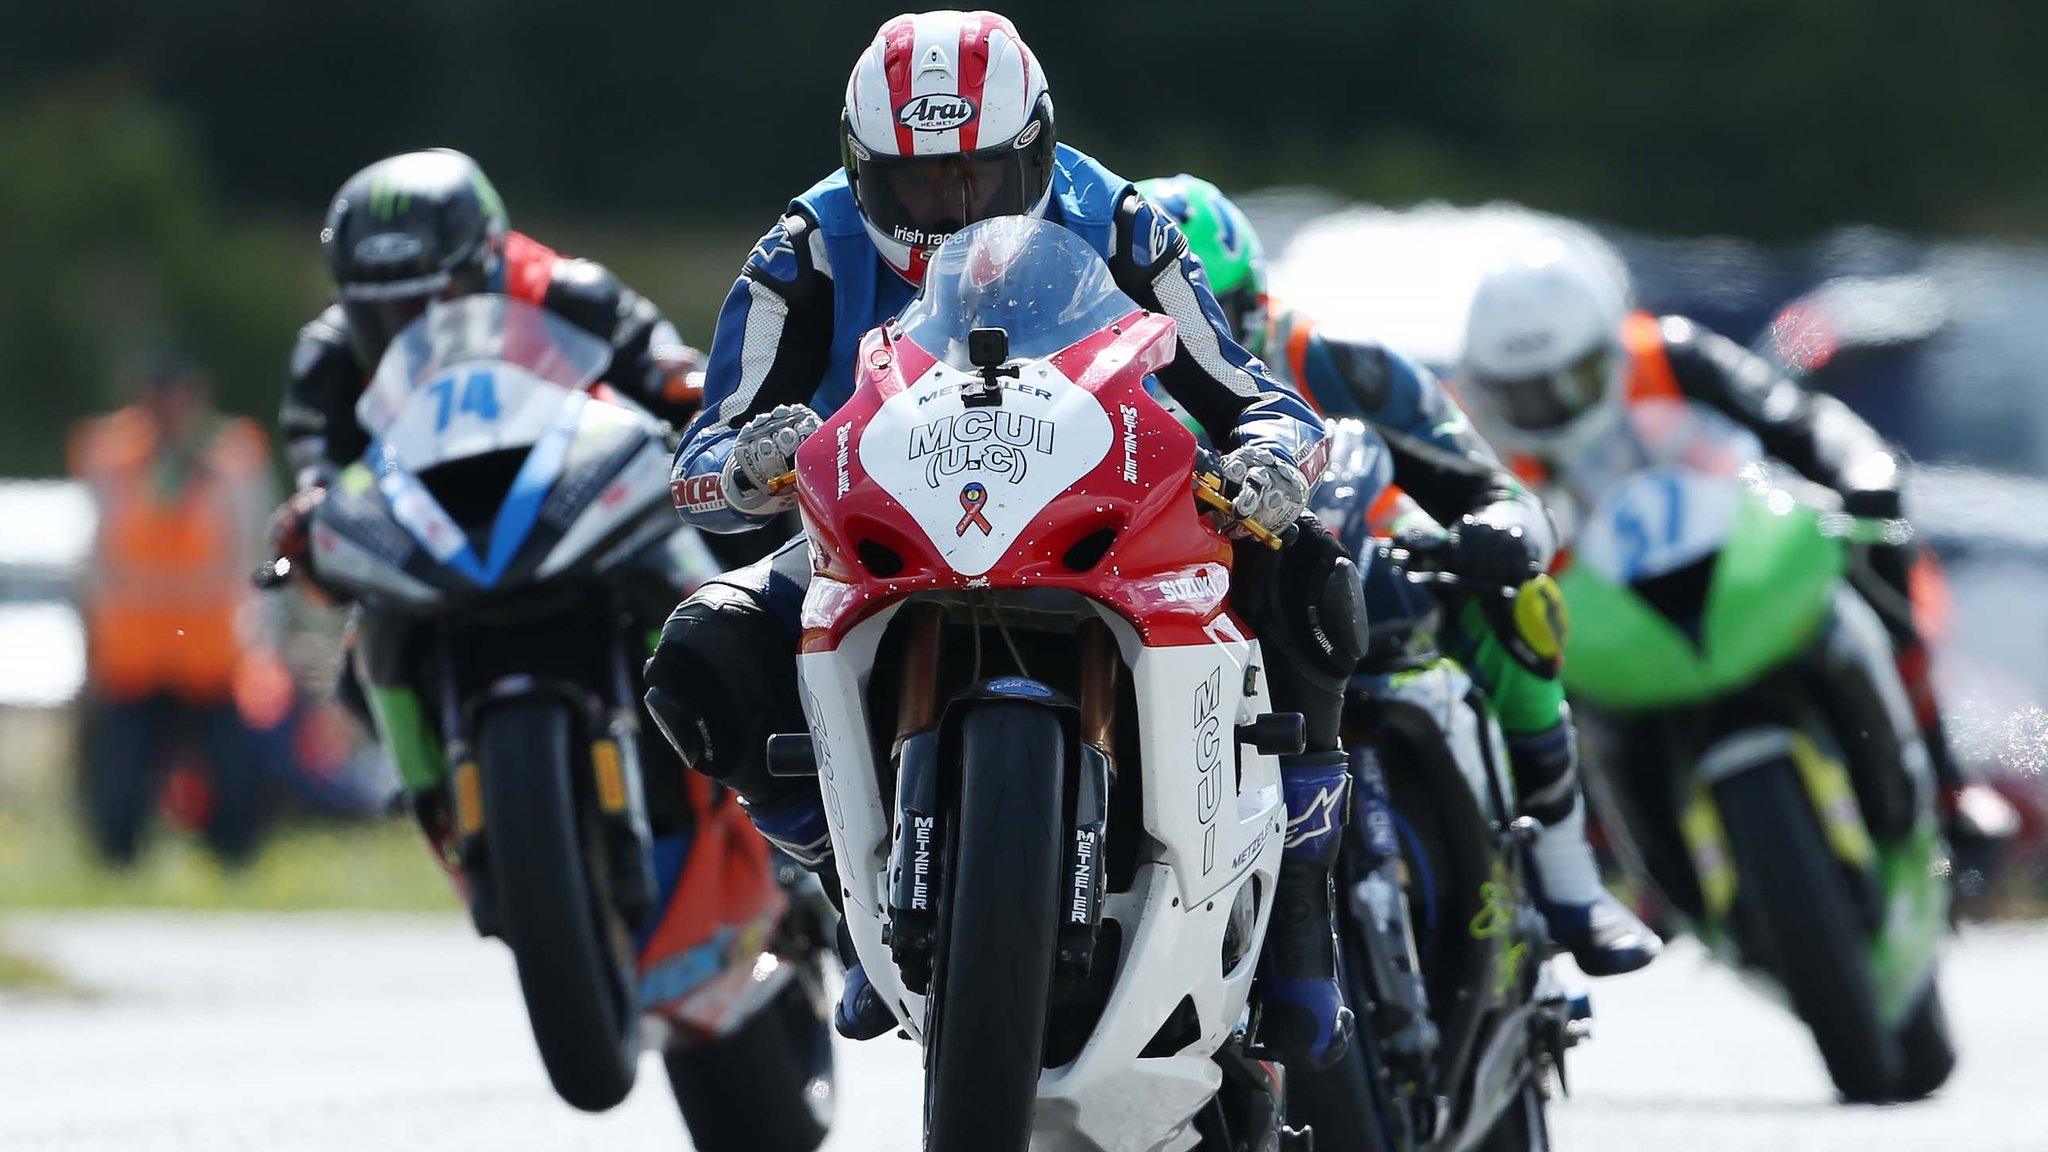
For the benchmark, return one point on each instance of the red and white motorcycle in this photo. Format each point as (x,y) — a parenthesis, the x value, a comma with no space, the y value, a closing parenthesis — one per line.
(1043,739)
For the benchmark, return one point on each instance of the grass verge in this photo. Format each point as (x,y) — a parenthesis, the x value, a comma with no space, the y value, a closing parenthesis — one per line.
(45,865)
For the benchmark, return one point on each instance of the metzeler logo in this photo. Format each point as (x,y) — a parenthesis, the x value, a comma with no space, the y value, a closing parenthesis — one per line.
(1129,416)
(935,113)
(921,863)
(991,441)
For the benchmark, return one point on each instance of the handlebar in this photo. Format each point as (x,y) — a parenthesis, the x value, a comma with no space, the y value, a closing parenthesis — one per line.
(1528,617)
(1209,491)
(1212,491)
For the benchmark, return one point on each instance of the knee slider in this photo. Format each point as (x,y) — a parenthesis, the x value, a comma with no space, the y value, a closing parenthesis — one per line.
(721,681)
(1318,600)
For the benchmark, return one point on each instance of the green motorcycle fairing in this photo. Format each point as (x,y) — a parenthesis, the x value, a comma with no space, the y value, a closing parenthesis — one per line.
(1772,585)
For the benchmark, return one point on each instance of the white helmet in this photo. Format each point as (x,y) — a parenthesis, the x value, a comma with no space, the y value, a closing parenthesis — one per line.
(947,122)
(1544,370)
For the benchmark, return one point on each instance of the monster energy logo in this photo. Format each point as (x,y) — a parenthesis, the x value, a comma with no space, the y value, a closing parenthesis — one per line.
(487,195)
(387,199)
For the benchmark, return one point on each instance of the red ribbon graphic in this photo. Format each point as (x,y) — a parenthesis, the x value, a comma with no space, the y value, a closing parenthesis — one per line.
(972,499)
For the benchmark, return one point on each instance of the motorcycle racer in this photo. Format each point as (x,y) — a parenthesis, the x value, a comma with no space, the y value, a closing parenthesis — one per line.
(422,226)
(406,231)
(1501,536)
(948,121)
(1554,361)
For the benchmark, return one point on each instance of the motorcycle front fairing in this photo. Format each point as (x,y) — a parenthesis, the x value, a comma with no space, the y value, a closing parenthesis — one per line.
(1073,487)
(494,464)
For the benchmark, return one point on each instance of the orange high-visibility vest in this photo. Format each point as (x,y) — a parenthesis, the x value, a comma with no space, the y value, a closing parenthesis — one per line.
(170,570)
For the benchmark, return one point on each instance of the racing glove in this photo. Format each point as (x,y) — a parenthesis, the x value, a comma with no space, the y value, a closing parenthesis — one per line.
(1269,490)
(1484,552)
(764,453)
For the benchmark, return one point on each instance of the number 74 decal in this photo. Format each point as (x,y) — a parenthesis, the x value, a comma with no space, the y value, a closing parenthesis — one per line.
(477,397)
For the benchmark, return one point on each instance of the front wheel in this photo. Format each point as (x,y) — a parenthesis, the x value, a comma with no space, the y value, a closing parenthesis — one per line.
(992,976)
(577,985)
(1802,902)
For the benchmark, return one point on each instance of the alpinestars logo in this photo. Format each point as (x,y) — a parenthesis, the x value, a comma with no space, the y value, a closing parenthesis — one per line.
(991,441)
(1321,818)
(936,113)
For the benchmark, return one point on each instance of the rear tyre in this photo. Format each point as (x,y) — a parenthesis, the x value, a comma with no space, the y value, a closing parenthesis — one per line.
(766,1087)
(578,989)
(1818,947)
(992,976)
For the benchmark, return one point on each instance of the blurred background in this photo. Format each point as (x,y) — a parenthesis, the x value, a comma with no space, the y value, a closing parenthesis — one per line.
(164,168)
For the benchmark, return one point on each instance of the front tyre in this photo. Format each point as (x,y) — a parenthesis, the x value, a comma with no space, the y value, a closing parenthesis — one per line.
(1802,902)
(1926,1052)
(992,975)
(578,988)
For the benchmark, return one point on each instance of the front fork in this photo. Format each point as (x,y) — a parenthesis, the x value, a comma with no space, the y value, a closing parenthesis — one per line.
(615,784)
(917,848)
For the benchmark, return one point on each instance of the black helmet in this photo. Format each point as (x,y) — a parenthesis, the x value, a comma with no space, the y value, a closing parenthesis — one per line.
(409,229)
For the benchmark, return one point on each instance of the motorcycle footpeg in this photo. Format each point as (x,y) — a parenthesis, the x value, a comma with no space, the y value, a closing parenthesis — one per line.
(791,755)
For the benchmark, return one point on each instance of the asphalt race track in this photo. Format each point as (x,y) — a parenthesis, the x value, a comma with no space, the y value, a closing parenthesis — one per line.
(330,1034)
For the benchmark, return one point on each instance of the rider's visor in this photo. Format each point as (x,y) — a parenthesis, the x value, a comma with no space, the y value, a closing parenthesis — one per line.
(379,310)
(1550,400)
(921,200)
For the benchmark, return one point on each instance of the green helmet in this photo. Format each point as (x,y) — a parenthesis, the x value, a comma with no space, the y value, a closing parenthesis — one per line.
(1222,238)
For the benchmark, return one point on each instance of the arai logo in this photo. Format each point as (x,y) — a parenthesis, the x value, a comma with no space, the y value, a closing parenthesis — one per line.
(935,113)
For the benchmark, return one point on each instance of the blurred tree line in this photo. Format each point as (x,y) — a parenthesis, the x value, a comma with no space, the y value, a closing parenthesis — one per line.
(163,166)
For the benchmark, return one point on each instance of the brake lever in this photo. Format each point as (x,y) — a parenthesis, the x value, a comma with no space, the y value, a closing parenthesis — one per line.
(1209,491)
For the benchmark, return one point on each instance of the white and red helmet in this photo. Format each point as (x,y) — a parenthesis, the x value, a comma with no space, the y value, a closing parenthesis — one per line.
(947,122)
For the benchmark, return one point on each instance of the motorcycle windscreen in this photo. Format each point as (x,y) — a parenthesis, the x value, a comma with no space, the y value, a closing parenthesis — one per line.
(426,362)
(1037,281)
(475,378)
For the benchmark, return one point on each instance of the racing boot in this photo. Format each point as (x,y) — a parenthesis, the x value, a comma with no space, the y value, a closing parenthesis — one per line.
(1303,1022)
(1584,918)
(800,832)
